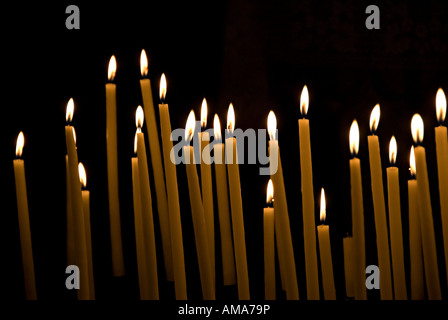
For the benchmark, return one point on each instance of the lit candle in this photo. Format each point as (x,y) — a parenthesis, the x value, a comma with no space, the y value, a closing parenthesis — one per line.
(69,221)
(426,220)
(147,216)
(86,211)
(222,195)
(197,213)
(442,168)
(112,171)
(309,225)
(358,233)
(379,208)
(269,249)
(326,261)
(24,222)
(415,236)
(177,246)
(396,235)
(281,217)
(348,265)
(157,167)
(236,206)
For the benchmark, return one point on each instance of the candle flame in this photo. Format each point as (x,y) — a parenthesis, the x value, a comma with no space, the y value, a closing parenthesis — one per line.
(375,118)
(82,175)
(323,209)
(354,138)
(162,91)
(143,63)
(272,125)
(19,144)
(440,105)
(231,118)
(217,127)
(139,117)
(393,150)
(112,68)
(417,128)
(135,139)
(204,114)
(69,110)
(304,101)
(190,126)
(412,161)
(270,192)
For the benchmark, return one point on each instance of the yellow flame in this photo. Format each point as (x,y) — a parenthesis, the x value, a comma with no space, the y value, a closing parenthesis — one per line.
(82,174)
(19,144)
(231,118)
(272,125)
(304,101)
(190,126)
(440,105)
(269,192)
(69,110)
(412,161)
(374,118)
(323,209)
(162,91)
(393,150)
(204,113)
(112,69)
(417,128)
(217,127)
(143,63)
(139,117)
(354,138)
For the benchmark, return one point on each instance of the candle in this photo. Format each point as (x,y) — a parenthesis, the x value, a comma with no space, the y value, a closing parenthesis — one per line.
(442,168)
(309,225)
(197,213)
(358,244)
(396,236)
(222,195)
(415,238)
(24,222)
(281,223)
(86,211)
(426,220)
(177,246)
(112,171)
(157,168)
(236,206)
(268,241)
(147,216)
(69,220)
(348,265)
(379,208)
(77,210)
(326,261)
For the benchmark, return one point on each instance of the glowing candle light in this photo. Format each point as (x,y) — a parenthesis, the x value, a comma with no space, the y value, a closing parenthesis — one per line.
(269,249)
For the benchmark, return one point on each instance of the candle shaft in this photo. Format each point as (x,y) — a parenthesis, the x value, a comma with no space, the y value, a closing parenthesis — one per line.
(70,223)
(86,211)
(269,253)
(349,265)
(323,233)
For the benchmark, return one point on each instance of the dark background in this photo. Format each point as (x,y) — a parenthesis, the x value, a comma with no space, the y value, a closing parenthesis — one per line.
(257,54)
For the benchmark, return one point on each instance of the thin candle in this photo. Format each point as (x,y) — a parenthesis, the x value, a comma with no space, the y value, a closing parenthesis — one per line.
(269,248)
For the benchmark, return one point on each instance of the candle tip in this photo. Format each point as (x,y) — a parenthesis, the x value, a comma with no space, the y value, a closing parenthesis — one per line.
(204,114)
(217,127)
(374,118)
(393,151)
(270,193)
(139,117)
(231,118)
(111,70)
(304,101)
(190,126)
(440,105)
(19,144)
(82,175)
(323,209)
(69,110)
(417,128)
(354,138)
(143,63)
(272,126)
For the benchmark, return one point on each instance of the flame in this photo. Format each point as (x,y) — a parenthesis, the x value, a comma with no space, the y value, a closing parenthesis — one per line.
(143,63)
(272,125)
(393,150)
(374,118)
(82,174)
(231,118)
(323,209)
(112,68)
(19,144)
(270,192)
(440,105)
(304,101)
(139,117)
(217,127)
(162,91)
(190,126)
(412,161)
(69,110)
(417,128)
(354,138)
(204,113)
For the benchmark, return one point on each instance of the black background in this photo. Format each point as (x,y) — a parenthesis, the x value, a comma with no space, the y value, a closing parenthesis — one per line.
(256,54)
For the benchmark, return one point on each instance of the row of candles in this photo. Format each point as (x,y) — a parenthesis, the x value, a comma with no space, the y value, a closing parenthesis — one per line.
(277,231)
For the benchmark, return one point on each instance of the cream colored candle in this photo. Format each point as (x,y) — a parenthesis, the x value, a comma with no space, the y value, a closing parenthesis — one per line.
(359,246)
(86,211)
(112,172)
(78,215)
(426,220)
(415,237)
(379,208)
(349,270)
(147,216)
(236,206)
(157,167)
(177,246)
(269,248)
(69,220)
(24,222)
(222,195)
(197,213)
(283,232)
(396,234)
(309,225)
